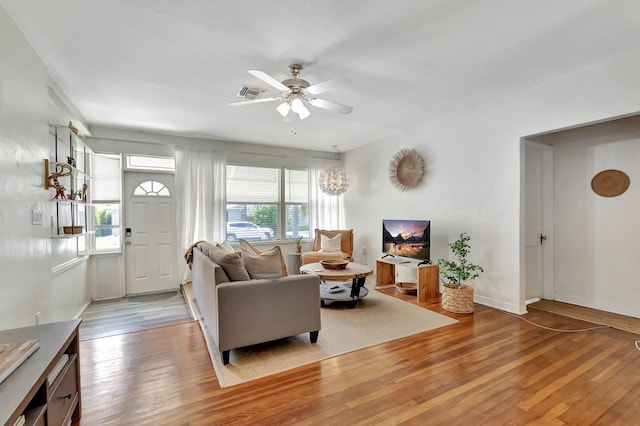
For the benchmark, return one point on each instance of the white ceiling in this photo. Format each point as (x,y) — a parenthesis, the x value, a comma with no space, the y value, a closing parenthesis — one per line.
(173,66)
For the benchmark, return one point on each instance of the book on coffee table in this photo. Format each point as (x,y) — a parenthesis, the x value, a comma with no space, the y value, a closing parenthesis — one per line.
(12,355)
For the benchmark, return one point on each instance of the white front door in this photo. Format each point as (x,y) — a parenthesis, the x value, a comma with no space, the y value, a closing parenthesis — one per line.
(536,238)
(150,237)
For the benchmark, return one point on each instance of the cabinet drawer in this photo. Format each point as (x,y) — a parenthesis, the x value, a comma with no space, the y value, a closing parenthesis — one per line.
(64,394)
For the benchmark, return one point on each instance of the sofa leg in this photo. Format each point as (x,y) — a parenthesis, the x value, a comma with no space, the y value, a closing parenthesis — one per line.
(313,335)
(225,357)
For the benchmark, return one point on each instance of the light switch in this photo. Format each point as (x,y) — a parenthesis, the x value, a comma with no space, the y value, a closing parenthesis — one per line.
(37,217)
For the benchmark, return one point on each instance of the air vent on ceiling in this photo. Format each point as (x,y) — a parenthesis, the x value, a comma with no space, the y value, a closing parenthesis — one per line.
(251,93)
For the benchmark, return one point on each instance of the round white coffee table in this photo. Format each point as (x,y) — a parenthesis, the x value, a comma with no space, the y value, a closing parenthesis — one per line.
(356,272)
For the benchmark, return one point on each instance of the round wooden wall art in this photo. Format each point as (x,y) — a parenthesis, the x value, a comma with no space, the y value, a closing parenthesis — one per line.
(406,169)
(610,183)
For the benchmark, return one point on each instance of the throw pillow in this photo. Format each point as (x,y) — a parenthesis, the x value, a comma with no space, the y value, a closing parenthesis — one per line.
(330,244)
(205,247)
(226,247)
(263,264)
(231,263)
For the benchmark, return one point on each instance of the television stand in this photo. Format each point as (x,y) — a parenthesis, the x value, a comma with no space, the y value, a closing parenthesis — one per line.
(428,277)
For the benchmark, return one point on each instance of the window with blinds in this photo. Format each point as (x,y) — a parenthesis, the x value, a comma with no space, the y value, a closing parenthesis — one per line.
(264,201)
(106,200)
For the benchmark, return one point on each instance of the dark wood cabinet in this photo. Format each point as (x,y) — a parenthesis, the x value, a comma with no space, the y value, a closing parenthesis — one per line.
(34,389)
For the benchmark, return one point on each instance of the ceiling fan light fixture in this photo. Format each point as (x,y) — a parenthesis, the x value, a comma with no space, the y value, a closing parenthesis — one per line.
(304,113)
(295,93)
(284,108)
(298,107)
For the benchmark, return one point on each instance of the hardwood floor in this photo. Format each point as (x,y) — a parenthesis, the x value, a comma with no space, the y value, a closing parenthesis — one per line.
(491,368)
(134,313)
(621,322)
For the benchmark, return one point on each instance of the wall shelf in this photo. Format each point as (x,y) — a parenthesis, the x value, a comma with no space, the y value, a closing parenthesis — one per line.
(67,178)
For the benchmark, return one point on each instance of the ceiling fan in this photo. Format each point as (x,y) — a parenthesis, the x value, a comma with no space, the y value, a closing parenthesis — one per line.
(296,93)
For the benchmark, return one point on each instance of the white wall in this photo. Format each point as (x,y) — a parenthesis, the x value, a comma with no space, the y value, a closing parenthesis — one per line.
(473,176)
(597,239)
(68,298)
(25,249)
(26,285)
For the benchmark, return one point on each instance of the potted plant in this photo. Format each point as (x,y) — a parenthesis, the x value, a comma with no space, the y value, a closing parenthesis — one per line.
(298,241)
(456,295)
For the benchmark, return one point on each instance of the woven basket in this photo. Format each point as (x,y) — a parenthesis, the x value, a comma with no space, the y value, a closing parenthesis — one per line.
(458,300)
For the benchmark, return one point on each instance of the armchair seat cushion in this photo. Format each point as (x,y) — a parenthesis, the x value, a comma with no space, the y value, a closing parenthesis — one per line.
(317,256)
(346,246)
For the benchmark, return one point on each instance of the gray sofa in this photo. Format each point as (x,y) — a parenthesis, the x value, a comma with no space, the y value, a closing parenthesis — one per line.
(243,313)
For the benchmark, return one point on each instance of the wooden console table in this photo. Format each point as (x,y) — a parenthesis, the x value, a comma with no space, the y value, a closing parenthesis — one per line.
(428,278)
(27,391)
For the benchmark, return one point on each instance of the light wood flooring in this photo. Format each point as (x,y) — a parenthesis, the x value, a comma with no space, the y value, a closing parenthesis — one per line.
(135,313)
(491,368)
(621,322)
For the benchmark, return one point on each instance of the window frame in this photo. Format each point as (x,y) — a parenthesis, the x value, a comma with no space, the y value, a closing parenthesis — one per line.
(282,204)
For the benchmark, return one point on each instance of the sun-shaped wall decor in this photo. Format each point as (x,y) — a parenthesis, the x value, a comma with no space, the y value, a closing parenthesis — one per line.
(406,169)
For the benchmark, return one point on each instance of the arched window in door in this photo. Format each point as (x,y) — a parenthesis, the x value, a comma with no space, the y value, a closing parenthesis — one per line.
(151,188)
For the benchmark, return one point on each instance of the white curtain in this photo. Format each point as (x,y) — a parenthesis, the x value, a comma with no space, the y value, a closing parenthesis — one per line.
(325,211)
(200,188)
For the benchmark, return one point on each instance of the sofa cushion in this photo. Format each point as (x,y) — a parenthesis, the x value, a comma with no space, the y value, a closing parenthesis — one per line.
(231,263)
(330,244)
(226,247)
(263,264)
(205,246)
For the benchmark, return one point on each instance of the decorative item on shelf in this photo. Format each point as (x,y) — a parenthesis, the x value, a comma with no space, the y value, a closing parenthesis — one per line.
(72,128)
(83,193)
(334,264)
(72,230)
(71,161)
(610,183)
(406,169)
(333,181)
(299,245)
(52,179)
(456,296)
(75,195)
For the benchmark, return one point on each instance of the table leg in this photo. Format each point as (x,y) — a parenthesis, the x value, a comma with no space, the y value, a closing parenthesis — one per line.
(356,284)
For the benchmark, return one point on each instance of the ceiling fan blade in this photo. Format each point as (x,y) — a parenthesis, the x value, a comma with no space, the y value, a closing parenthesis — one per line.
(333,84)
(254,101)
(268,79)
(331,106)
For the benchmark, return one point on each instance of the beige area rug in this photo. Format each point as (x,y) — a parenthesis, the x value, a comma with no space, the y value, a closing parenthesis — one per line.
(378,318)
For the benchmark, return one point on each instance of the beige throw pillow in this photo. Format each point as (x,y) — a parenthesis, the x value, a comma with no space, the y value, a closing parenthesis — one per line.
(262,264)
(225,246)
(231,263)
(330,244)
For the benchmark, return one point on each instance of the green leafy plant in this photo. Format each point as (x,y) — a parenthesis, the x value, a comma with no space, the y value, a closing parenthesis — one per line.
(298,241)
(460,269)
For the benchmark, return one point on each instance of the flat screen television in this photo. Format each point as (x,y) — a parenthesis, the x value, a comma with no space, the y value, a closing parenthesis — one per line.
(407,238)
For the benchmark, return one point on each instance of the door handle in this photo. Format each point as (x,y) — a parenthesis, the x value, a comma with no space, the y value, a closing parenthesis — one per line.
(542,238)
